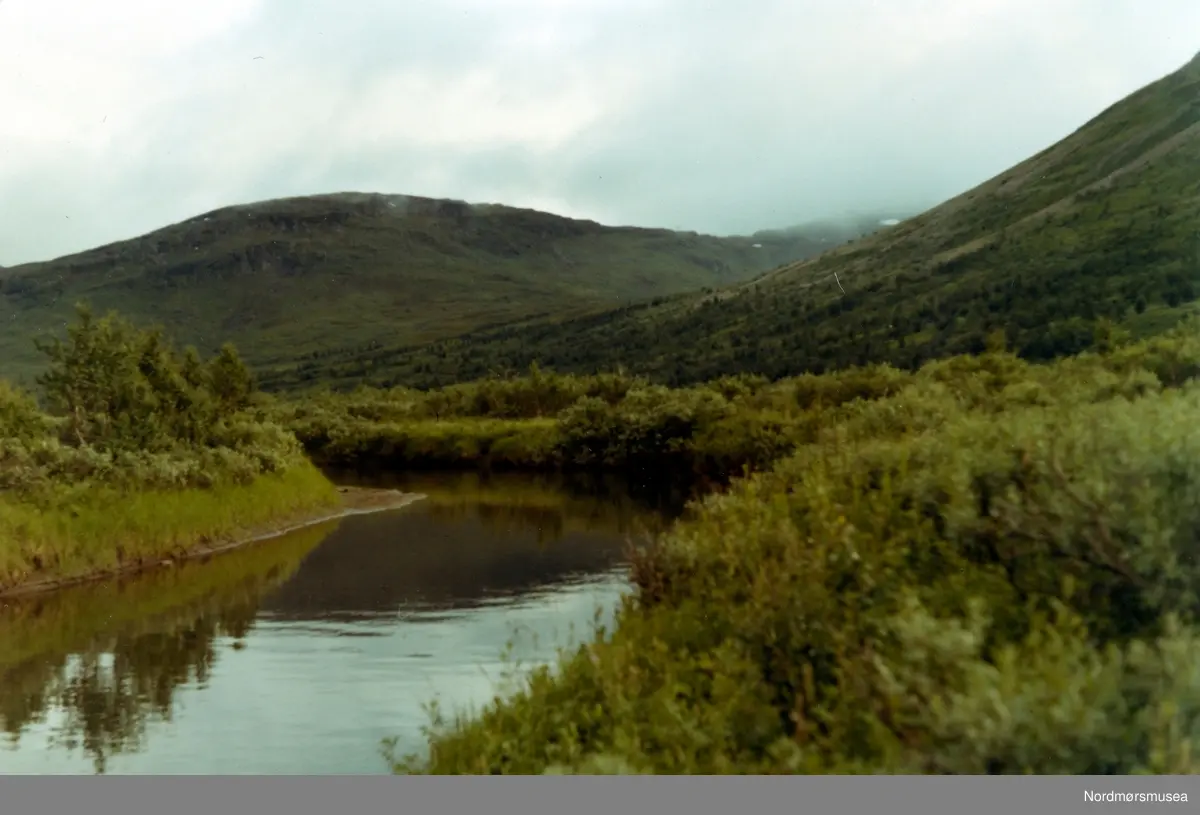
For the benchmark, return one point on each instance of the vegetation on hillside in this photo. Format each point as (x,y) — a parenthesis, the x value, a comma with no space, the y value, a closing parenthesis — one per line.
(1097,231)
(983,566)
(141,451)
(385,270)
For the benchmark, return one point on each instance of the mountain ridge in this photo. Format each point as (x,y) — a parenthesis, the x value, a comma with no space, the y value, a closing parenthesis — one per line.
(1097,229)
(384,268)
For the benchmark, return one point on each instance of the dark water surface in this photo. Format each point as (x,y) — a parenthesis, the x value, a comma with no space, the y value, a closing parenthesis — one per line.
(299,655)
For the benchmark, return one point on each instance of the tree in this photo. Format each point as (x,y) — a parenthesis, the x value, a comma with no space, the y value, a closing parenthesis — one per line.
(93,378)
(230,380)
(123,387)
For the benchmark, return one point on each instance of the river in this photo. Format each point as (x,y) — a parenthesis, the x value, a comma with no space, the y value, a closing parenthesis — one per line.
(303,653)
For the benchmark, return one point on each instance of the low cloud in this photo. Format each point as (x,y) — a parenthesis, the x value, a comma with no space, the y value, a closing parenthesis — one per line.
(122,116)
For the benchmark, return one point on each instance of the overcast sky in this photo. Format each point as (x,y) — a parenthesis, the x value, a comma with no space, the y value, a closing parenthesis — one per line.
(120,116)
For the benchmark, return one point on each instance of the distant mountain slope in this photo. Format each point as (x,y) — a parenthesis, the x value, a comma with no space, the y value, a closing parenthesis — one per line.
(1102,226)
(296,276)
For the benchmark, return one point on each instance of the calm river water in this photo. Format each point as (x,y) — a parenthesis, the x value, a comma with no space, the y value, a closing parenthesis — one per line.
(300,655)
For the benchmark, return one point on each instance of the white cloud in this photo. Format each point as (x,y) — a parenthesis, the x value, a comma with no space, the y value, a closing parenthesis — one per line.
(69,64)
(120,116)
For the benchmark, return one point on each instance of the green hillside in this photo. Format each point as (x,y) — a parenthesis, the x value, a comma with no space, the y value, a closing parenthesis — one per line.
(293,276)
(1101,228)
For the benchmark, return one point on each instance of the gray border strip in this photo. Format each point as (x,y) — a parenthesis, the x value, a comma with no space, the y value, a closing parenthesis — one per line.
(1060,795)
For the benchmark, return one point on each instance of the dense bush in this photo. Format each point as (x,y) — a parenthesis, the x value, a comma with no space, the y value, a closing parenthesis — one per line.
(20,417)
(128,410)
(716,429)
(144,453)
(652,425)
(984,566)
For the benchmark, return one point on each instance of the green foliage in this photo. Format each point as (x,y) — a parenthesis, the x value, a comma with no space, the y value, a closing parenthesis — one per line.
(650,426)
(228,379)
(131,412)
(980,567)
(121,388)
(448,444)
(146,451)
(539,422)
(95,529)
(20,417)
(715,430)
(539,394)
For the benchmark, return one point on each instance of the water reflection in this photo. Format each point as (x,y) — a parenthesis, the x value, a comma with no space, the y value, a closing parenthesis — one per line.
(606,502)
(471,541)
(99,671)
(103,660)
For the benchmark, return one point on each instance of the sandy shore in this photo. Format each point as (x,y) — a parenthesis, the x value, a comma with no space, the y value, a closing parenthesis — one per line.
(355,501)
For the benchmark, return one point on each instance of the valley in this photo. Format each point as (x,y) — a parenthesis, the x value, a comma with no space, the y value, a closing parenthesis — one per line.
(909,499)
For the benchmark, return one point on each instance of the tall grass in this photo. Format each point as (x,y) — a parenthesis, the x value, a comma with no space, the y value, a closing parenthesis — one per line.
(105,529)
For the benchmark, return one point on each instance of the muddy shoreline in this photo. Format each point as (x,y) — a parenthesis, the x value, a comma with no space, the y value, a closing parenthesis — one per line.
(355,501)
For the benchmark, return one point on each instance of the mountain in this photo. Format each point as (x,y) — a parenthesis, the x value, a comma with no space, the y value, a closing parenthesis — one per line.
(299,276)
(1100,229)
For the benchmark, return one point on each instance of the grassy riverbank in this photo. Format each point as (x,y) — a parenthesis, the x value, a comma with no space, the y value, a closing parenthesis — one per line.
(101,530)
(981,567)
(139,453)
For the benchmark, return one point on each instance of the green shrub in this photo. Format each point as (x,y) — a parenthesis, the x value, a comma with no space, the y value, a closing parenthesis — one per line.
(985,567)
(20,417)
(140,444)
(650,424)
